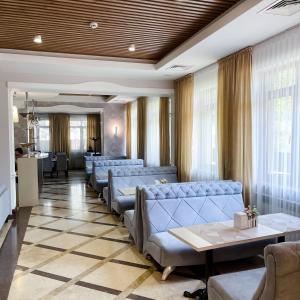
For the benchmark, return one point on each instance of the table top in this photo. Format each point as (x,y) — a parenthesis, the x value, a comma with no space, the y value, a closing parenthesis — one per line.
(210,236)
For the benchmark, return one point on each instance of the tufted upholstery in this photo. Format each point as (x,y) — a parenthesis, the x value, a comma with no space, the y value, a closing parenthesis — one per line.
(122,178)
(89,159)
(99,178)
(168,206)
(184,204)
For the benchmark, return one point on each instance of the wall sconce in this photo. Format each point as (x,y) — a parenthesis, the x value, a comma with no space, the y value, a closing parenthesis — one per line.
(116,131)
(15,114)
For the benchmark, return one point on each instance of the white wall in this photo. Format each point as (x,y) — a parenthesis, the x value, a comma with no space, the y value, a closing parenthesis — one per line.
(7,170)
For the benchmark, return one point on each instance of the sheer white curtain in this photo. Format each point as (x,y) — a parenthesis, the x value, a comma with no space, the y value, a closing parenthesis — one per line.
(204,147)
(42,134)
(152,133)
(134,129)
(276,124)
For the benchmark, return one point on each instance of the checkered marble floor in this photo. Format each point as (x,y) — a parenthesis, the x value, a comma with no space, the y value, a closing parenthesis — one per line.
(75,249)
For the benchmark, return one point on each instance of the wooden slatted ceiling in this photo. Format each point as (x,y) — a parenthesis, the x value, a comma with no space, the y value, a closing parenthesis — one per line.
(156,27)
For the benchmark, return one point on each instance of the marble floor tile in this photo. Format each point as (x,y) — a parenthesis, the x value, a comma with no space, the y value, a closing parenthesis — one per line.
(65,241)
(119,233)
(171,289)
(35,235)
(63,224)
(69,265)
(110,219)
(32,287)
(114,276)
(33,256)
(40,220)
(101,247)
(132,255)
(93,229)
(76,292)
(87,216)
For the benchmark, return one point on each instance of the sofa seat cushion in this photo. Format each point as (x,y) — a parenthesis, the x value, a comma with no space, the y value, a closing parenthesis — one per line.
(122,203)
(166,249)
(235,286)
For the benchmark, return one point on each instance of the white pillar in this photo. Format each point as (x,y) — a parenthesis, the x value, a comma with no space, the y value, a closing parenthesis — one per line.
(7,168)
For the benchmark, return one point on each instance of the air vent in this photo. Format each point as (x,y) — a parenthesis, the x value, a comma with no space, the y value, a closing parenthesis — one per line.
(79,95)
(283,8)
(178,68)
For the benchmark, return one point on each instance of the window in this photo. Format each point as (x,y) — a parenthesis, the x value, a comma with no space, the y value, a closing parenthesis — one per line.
(134,129)
(152,132)
(276,124)
(42,134)
(78,133)
(204,147)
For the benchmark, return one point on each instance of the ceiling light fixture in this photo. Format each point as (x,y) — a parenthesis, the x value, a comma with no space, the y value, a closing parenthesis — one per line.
(93,25)
(131,48)
(38,39)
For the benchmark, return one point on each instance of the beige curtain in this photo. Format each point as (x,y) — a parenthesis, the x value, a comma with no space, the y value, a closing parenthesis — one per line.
(164,134)
(184,88)
(141,130)
(59,133)
(93,131)
(234,119)
(128,130)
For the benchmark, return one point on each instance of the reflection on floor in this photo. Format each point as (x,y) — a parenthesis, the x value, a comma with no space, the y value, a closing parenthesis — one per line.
(75,249)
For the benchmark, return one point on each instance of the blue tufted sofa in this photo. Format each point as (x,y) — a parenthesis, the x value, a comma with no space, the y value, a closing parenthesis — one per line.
(89,159)
(124,178)
(169,206)
(99,178)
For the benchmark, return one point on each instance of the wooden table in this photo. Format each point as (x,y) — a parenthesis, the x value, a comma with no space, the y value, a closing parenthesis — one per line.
(210,236)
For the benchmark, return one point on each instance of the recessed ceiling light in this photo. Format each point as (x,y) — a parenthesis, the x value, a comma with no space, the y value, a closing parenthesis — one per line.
(38,39)
(93,25)
(131,48)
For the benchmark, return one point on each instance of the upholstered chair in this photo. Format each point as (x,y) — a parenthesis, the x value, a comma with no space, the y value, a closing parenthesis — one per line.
(280,280)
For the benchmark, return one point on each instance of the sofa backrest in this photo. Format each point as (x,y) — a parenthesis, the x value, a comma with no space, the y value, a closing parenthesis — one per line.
(184,204)
(119,178)
(100,168)
(88,161)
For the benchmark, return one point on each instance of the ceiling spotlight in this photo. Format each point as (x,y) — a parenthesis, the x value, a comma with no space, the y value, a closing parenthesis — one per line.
(131,48)
(38,39)
(93,25)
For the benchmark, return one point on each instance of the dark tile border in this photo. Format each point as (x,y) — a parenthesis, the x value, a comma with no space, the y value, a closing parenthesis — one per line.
(51,276)
(98,288)
(114,240)
(88,255)
(51,248)
(137,297)
(130,264)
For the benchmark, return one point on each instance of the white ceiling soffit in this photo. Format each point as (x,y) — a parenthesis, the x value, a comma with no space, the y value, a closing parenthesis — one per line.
(70,109)
(244,25)
(101,87)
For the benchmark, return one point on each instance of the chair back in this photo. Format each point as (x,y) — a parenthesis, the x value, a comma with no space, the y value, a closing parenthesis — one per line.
(61,161)
(282,277)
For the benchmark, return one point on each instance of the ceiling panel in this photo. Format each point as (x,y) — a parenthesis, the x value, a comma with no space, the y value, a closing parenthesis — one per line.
(155,27)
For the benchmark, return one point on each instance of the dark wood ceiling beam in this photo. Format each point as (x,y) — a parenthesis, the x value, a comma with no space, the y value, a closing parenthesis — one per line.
(155,26)
(106,12)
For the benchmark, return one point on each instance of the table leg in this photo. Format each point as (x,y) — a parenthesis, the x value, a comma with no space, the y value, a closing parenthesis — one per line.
(201,294)
(281,239)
